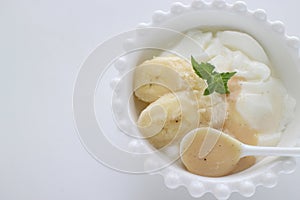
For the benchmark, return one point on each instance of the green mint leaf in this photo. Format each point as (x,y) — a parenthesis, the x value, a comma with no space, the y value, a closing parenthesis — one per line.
(203,70)
(217,82)
(225,78)
(209,90)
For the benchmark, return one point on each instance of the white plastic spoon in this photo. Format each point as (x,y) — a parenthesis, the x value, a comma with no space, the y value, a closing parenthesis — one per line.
(225,154)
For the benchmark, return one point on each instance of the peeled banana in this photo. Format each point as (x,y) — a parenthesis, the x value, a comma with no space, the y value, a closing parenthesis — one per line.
(162,75)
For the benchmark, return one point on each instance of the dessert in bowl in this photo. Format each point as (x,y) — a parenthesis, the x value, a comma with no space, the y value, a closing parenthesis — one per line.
(255,109)
(260,109)
(263,64)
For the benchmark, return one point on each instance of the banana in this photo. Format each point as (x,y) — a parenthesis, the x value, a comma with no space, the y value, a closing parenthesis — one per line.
(161,75)
(179,116)
(169,118)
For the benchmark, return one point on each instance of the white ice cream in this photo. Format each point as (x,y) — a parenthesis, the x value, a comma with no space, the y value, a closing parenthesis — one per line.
(263,102)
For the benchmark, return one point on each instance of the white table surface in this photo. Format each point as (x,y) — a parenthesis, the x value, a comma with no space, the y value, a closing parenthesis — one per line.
(42,46)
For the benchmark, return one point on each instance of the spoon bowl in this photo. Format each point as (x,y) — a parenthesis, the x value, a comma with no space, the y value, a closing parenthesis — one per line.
(223,152)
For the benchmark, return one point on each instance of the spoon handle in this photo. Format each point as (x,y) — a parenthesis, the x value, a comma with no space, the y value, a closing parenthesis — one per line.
(249,150)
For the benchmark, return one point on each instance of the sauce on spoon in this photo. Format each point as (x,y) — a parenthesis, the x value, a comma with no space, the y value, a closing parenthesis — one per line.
(220,161)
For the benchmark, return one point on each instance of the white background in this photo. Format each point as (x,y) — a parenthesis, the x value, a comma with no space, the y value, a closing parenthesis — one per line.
(42,46)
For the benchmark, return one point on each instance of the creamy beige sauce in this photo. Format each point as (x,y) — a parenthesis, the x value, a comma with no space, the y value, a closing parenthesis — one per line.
(223,159)
(236,126)
(220,161)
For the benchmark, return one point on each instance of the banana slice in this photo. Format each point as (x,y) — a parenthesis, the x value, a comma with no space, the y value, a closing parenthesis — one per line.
(179,116)
(245,43)
(162,75)
(152,119)
(169,118)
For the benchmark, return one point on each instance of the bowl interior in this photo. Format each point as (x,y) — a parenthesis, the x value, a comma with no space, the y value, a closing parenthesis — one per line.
(284,58)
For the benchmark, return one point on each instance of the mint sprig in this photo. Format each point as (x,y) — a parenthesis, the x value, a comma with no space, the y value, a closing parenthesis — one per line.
(217,82)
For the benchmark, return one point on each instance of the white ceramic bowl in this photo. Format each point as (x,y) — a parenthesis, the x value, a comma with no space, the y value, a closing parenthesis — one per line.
(281,49)
(283,53)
